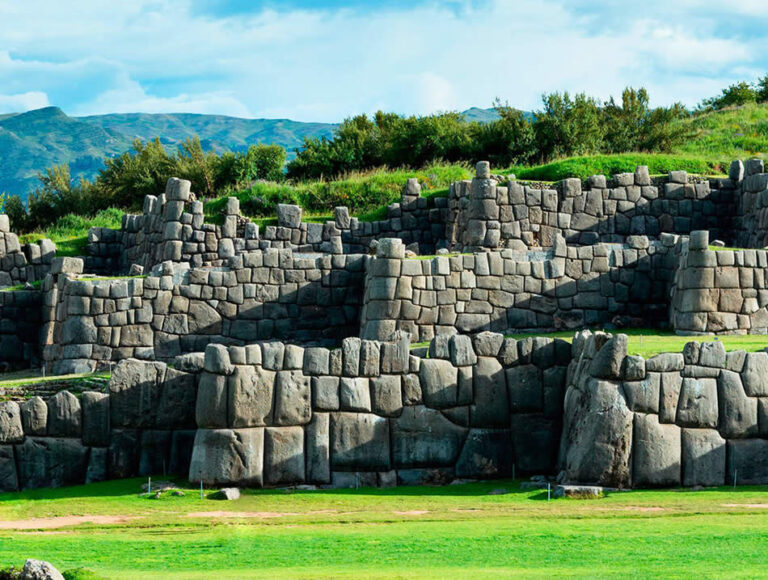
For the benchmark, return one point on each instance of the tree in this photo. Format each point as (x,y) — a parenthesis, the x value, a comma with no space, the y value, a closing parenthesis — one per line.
(735,95)
(568,126)
(13,207)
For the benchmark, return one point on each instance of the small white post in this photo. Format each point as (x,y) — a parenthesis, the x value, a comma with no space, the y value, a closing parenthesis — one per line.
(149,486)
(549,491)
(735,473)
(201,489)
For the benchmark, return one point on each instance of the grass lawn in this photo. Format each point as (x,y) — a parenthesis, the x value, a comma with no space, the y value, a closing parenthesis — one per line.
(451,531)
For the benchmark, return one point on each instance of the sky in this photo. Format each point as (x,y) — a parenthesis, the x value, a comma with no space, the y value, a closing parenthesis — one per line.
(313,60)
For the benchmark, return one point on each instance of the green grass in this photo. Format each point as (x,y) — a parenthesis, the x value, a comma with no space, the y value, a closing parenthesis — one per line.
(451,531)
(365,194)
(733,133)
(70,234)
(584,167)
(36,284)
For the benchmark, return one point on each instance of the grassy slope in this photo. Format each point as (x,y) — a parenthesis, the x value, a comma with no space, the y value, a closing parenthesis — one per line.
(409,532)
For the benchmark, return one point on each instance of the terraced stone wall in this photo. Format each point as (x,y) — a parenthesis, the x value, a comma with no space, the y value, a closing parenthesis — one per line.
(697,418)
(719,291)
(485,214)
(20,321)
(259,295)
(561,288)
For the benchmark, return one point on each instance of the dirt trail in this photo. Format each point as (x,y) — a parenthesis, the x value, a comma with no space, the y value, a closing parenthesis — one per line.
(223,514)
(62,522)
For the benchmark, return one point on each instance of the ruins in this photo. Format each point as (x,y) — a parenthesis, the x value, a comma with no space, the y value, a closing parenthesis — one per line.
(379,353)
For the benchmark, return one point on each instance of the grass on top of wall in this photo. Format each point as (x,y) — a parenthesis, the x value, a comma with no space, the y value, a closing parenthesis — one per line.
(584,167)
(647,342)
(482,529)
(70,233)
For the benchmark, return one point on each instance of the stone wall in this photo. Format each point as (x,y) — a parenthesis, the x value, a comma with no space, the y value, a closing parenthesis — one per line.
(258,295)
(144,425)
(561,288)
(20,319)
(720,291)
(485,214)
(268,414)
(19,264)
(696,418)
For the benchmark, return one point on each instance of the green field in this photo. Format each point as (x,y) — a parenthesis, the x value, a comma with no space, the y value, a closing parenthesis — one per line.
(451,531)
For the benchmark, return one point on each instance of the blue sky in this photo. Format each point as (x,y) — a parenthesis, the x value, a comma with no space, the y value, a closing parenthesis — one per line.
(322,60)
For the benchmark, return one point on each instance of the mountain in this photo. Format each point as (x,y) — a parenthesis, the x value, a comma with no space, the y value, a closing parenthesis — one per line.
(33,141)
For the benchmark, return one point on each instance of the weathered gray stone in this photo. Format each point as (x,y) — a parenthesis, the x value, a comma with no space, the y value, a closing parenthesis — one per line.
(51,462)
(737,413)
(596,445)
(656,450)
(712,354)
(665,362)
(11,430)
(39,570)
(211,405)
(228,457)
(747,462)
(355,394)
(316,361)
(351,356)
(486,453)
(318,449)
(325,393)
(643,396)
(487,343)
(698,403)
(292,398)
(525,387)
(95,418)
(422,437)
(703,457)
(535,440)
(491,400)
(272,355)
(754,376)
(9,480)
(124,446)
(284,455)
(386,395)
(439,383)
(34,416)
(217,359)
(359,441)
(65,417)
(288,216)
(633,368)
(608,360)
(462,353)
(250,391)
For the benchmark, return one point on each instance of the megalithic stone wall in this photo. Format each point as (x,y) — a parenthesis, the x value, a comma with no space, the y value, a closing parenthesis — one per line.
(719,291)
(565,287)
(697,418)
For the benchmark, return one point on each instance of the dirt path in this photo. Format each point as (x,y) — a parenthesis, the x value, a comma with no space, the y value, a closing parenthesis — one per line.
(223,514)
(62,522)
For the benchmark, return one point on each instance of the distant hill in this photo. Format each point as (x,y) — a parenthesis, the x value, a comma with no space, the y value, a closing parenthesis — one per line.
(33,141)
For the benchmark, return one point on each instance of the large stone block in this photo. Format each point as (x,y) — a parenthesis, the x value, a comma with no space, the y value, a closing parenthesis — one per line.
(228,457)
(697,406)
(155,452)
(11,430)
(643,396)
(9,480)
(737,413)
(439,383)
(703,457)
(526,393)
(486,453)
(51,462)
(135,391)
(656,451)
(95,418)
(34,416)
(355,394)
(250,391)
(359,441)
(386,395)
(597,434)
(293,395)
(491,400)
(124,447)
(318,450)
(176,405)
(65,417)
(423,437)
(284,455)
(211,405)
(754,375)
(607,362)
(536,439)
(747,462)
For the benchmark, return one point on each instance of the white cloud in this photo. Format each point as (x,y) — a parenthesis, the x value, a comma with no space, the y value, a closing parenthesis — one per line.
(23,102)
(326,64)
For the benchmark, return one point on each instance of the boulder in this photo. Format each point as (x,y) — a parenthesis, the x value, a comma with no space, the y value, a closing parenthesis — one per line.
(288,216)
(747,462)
(284,455)
(703,458)
(64,415)
(439,383)
(34,416)
(11,430)
(608,361)
(697,406)
(491,400)
(39,570)
(225,494)
(656,451)
(51,462)
(359,441)
(737,413)
(486,453)
(423,437)
(95,418)
(228,457)
(597,434)
(318,453)
(292,398)
(250,392)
